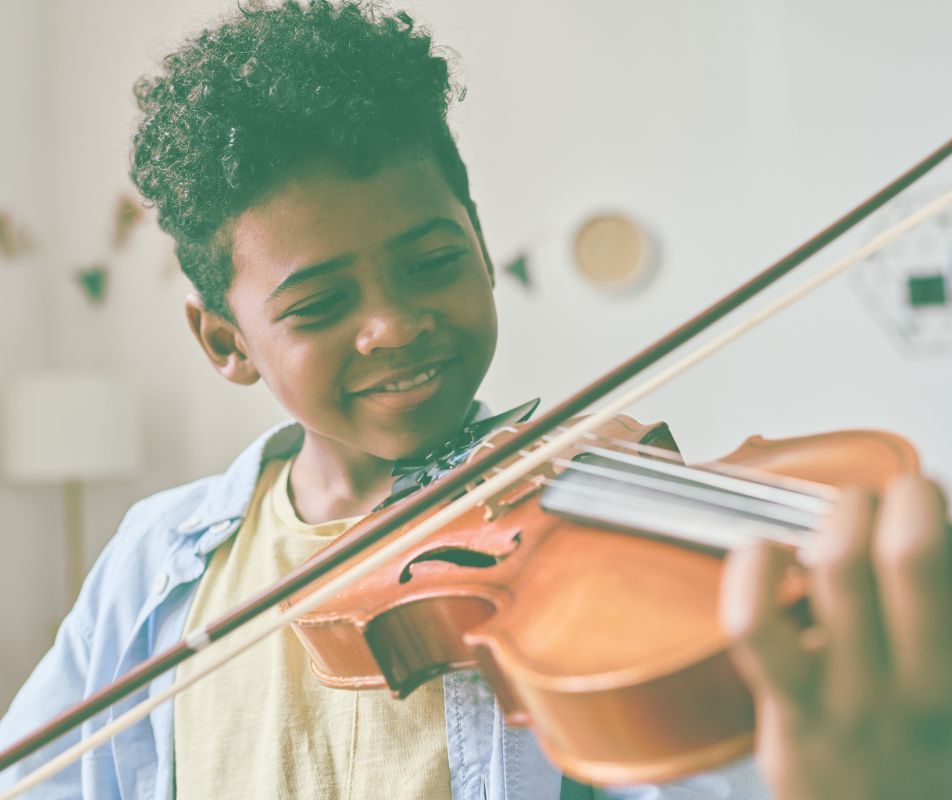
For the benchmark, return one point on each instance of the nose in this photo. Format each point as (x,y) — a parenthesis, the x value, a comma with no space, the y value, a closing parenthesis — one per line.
(393,325)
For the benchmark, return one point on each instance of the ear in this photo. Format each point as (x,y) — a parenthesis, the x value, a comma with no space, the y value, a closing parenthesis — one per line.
(222,342)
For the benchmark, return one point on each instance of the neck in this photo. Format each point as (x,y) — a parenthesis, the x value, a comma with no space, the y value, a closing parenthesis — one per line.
(330,480)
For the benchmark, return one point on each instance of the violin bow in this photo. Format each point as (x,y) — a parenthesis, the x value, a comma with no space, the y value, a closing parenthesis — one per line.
(392,518)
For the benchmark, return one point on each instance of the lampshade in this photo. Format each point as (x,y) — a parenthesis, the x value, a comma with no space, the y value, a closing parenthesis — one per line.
(62,425)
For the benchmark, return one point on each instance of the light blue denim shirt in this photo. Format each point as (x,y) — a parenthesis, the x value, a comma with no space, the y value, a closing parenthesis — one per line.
(134,604)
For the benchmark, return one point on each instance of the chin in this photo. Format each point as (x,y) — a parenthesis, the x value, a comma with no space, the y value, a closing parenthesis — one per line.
(411,448)
(418,443)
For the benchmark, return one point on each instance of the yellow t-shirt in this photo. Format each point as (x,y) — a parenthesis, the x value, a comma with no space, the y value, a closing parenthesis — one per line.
(262,726)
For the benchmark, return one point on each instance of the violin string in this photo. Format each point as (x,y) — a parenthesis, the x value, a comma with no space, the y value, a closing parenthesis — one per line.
(754,485)
(668,521)
(491,487)
(742,471)
(728,501)
(709,525)
(678,473)
(776,512)
(815,495)
(758,510)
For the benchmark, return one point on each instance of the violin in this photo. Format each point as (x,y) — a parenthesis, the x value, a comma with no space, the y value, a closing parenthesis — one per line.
(586,594)
(591,610)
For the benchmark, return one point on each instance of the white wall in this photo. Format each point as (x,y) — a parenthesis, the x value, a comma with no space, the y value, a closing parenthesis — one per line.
(732,130)
(30,592)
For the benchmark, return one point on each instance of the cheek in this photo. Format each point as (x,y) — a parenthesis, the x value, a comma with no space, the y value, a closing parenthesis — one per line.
(477,315)
(304,371)
(470,298)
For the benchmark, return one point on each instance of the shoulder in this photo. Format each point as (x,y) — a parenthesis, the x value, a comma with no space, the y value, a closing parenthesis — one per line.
(168,535)
(146,544)
(168,509)
(139,586)
(86,653)
(156,521)
(185,515)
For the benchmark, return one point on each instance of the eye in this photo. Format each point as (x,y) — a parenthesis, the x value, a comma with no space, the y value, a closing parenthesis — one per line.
(437,265)
(322,306)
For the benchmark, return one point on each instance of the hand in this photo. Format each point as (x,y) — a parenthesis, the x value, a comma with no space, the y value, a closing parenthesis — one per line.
(859,705)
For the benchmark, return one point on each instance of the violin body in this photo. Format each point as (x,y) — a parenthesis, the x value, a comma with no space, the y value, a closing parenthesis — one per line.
(603,639)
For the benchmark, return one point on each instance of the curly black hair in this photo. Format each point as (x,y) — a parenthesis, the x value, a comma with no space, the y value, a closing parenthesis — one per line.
(240,105)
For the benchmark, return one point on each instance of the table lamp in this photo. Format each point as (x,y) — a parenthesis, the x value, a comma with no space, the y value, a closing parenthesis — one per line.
(70,427)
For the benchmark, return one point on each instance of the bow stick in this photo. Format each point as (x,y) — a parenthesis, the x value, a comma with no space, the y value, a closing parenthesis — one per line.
(394,517)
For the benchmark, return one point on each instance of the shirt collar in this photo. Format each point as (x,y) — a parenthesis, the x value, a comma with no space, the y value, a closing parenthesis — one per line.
(230,493)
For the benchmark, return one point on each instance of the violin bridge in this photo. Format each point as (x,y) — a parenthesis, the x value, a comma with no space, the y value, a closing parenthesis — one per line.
(510,497)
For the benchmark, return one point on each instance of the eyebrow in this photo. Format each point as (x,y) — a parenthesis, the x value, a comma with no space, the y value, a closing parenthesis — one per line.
(305,274)
(395,242)
(419,231)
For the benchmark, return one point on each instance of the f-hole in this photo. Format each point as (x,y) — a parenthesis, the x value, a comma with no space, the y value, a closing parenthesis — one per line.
(461,557)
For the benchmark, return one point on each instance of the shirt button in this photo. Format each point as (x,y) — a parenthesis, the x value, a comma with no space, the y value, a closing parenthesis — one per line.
(160,584)
(218,527)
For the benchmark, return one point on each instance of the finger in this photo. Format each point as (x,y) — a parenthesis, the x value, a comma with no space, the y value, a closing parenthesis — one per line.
(846,606)
(913,560)
(766,647)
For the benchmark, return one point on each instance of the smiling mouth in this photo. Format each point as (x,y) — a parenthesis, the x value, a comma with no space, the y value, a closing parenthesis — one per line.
(409,392)
(424,376)
(410,383)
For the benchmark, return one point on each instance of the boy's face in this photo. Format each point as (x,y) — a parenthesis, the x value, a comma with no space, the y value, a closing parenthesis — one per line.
(365,304)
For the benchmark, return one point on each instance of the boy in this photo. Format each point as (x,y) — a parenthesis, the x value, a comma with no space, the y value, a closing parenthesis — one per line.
(301,159)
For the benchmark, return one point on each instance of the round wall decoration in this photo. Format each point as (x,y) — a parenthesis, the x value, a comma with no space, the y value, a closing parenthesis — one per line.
(610,249)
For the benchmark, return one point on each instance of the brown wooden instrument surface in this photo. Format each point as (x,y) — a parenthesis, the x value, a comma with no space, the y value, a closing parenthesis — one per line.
(606,643)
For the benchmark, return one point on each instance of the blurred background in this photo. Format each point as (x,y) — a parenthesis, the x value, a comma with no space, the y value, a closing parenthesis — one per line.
(715,135)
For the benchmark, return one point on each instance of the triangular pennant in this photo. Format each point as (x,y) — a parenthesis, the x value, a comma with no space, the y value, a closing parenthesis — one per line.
(519,269)
(93,280)
(127,215)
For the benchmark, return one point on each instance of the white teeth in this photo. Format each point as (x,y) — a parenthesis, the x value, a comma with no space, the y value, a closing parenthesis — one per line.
(410,383)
